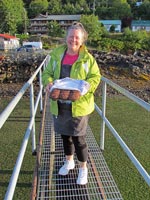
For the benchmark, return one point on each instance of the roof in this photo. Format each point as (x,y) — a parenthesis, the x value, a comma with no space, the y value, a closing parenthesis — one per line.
(57,17)
(140,22)
(7,36)
(110,22)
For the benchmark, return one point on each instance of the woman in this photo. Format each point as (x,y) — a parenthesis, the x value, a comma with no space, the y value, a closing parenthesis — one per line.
(70,119)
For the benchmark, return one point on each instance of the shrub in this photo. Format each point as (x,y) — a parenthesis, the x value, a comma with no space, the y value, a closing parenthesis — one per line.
(108,44)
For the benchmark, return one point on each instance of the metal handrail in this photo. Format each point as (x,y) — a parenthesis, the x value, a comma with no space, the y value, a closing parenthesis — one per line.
(105,121)
(128,94)
(31,126)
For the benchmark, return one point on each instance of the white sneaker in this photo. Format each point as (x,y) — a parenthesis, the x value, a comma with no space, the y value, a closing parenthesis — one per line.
(64,170)
(82,177)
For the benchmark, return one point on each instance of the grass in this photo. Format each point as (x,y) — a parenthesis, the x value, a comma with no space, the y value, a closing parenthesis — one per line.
(130,120)
(133,124)
(11,135)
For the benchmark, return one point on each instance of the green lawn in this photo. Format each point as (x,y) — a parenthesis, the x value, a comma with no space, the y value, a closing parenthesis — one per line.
(133,124)
(130,120)
(11,135)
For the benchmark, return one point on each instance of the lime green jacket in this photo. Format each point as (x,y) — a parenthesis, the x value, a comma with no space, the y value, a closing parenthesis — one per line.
(85,68)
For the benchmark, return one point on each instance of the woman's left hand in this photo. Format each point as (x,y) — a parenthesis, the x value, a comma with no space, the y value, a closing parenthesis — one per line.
(48,87)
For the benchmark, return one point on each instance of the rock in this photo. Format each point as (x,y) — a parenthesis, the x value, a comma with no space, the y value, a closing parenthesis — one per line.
(19,67)
(128,71)
(134,66)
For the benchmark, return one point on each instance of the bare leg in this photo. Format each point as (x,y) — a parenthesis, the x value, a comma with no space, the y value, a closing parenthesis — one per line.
(70,157)
(83,164)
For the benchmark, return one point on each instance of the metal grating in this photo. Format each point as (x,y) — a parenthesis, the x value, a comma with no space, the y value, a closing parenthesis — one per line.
(51,186)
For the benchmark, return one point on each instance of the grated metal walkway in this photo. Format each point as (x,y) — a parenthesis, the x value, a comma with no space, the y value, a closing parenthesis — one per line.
(51,186)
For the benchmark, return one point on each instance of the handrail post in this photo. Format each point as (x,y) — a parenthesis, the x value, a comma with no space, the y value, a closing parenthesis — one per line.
(32,116)
(102,137)
(41,87)
(45,64)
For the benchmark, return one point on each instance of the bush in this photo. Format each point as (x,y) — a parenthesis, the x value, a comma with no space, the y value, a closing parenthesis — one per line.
(108,44)
(136,40)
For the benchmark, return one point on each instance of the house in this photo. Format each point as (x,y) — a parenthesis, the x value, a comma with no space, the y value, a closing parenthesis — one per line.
(140,25)
(8,42)
(108,23)
(139,3)
(38,25)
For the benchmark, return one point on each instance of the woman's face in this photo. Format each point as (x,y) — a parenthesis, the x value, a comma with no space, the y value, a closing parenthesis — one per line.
(74,40)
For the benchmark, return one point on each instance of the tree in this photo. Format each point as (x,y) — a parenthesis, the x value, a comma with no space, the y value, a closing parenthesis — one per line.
(12,12)
(134,8)
(135,39)
(23,25)
(115,9)
(55,7)
(121,10)
(143,11)
(55,29)
(103,12)
(36,7)
(112,29)
(93,27)
(82,7)
(69,9)
(27,2)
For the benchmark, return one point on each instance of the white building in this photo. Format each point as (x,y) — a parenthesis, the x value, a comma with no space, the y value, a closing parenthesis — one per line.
(108,23)
(8,42)
(140,25)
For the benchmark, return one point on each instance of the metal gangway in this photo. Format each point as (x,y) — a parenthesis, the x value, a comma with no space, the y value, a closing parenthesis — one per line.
(47,184)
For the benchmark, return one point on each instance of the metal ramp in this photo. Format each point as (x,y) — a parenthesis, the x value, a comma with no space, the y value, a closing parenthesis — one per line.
(48,185)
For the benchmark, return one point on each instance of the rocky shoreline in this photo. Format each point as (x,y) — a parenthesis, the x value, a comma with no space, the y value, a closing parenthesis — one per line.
(131,72)
(18,67)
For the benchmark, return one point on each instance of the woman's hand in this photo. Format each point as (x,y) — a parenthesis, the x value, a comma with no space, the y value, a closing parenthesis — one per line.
(48,87)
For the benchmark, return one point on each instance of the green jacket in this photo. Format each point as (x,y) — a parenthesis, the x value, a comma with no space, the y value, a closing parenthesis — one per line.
(85,68)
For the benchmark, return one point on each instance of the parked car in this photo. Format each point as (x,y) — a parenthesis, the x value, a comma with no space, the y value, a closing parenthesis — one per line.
(27,48)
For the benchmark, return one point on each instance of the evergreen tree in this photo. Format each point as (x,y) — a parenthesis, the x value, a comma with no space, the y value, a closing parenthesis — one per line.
(104,9)
(55,7)
(143,11)
(55,29)
(12,12)
(69,9)
(36,7)
(121,9)
(115,9)
(82,7)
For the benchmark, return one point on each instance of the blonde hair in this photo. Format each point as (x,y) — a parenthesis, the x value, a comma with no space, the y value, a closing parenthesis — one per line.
(78,26)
